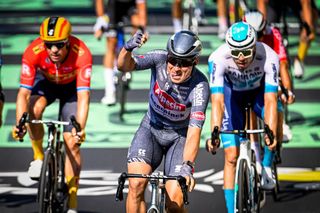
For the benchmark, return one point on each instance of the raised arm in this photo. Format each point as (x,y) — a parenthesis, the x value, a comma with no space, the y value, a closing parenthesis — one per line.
(126,62)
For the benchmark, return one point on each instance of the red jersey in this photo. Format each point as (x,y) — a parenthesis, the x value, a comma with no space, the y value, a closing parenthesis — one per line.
(77,65)
(273,39)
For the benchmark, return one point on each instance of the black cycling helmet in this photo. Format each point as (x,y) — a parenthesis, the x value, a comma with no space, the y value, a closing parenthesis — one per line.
(184,44)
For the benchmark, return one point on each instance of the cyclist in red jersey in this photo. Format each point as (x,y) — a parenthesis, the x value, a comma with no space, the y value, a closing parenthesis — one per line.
(56,65)
(272,37)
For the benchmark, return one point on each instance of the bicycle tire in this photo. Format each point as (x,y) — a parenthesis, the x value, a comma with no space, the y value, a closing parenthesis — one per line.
(276,189)
(61,197)
(242,192)
(256,190)
(47,184)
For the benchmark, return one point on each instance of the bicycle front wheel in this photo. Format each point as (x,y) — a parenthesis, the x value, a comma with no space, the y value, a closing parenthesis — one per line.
(47,183)
(242,189)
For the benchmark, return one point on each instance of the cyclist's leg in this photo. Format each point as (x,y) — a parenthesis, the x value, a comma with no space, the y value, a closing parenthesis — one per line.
(222,18)
(176,12)
(73,158)
(174,158)
(41,97)
(144,156)
(139,18)
(267,181)
(233,119)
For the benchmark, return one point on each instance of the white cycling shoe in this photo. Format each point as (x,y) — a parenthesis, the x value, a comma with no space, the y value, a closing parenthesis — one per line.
(268,181)
(109,99)
(34,170)
(72,211)
(298,68)
(287,134)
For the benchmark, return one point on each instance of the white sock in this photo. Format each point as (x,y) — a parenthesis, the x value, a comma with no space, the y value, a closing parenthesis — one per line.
(177,24)
(255,146)
(109,82)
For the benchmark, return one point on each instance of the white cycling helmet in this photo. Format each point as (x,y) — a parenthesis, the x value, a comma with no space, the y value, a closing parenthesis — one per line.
(255,19)
(240,36)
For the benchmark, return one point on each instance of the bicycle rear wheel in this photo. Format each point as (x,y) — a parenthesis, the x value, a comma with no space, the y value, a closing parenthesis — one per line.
(47,184)
(242,189)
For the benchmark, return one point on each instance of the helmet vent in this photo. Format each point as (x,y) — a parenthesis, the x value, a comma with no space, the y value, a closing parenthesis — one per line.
(51,25)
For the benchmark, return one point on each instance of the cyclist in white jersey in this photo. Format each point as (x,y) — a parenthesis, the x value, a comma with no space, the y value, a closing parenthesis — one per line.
(242,71)
(178,98)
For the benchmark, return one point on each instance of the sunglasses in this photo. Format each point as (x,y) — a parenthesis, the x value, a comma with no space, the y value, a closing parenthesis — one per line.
(180,62)
(245,53)
(58,45)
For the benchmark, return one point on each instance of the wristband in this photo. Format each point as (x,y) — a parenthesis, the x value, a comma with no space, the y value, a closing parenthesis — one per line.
(189,163)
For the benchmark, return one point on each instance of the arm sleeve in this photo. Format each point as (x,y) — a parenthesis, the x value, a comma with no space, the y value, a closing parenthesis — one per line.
(28,68)
(216,72)
(84,70)
(272,71)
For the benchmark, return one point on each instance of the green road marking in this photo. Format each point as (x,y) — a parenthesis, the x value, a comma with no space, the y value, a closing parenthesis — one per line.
(105,130)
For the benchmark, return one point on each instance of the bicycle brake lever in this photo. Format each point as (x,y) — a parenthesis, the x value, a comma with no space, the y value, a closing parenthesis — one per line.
(184,189)
(214,136)
(269,133)
(22,122)
(75,124)
(121,181)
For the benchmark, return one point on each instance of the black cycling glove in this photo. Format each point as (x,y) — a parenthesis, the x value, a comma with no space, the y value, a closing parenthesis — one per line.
(134,41)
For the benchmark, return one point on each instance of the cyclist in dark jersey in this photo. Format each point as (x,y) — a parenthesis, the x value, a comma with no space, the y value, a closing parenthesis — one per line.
(115,12)
(178,99)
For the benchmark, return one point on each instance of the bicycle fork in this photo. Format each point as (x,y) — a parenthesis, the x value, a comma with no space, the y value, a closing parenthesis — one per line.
(155,196)
(247,154)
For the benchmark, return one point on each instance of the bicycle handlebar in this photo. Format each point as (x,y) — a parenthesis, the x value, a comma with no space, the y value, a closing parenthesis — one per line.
(24,119)
(267,130)
(122,178)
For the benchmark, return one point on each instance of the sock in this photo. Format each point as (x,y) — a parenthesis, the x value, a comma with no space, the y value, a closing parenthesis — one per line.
(255,146)
(229,197)
(223,24)
(268,157)
(73,185)
(177,24)
(37,149)
(302,50)
(109,82)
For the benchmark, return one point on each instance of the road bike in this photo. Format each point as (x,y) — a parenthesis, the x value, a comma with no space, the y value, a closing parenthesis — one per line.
(52,190)
(157,182)
(247,187)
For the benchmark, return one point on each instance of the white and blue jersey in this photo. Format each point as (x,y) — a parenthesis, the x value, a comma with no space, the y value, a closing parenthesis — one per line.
(242,86)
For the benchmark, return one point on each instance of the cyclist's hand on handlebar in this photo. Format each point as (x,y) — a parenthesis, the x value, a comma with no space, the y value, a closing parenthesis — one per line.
(79,137)
(18,134)
(213,143)
(273,146)
(186,172)
(212,147)
(137,40)
(101,25)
